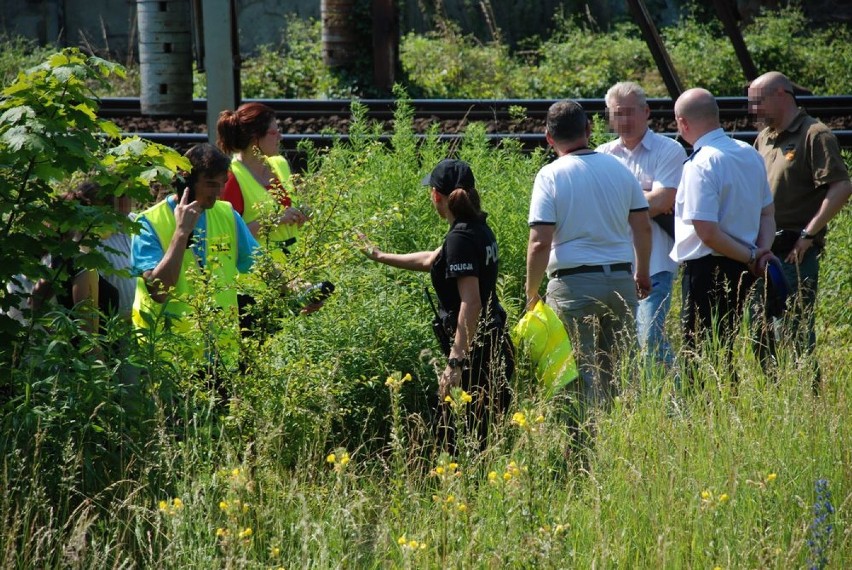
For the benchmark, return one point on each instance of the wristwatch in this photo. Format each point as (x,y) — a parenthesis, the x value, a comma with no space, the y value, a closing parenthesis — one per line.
(805,235)
(752,255)
(457,362)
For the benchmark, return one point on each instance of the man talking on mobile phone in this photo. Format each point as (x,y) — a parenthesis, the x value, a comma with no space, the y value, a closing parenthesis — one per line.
(189,240)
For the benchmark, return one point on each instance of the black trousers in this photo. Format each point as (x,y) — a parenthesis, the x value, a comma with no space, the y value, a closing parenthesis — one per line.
(714,291)
(492,364)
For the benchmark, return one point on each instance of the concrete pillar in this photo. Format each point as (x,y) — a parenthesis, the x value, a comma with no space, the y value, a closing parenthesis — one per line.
(218,61)
(338,34)
(165,57)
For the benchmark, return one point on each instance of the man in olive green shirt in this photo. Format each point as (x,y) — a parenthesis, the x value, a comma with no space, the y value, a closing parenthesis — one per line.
(810,184)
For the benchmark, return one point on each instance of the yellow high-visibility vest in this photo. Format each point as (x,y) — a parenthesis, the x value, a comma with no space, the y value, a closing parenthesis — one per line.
(257,199)
(541,333)
(220,247)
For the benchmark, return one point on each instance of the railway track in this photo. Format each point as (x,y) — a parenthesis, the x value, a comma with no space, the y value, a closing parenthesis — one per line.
(311,119)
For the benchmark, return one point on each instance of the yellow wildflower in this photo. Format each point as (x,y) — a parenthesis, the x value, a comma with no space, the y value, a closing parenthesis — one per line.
(220,532)
(401,540)
(235,472)
(331,458)
(439,470)
(395,381)
(539,419)
(177,503)
(458,398)
(450,498)
(723,498)
(344,458)
(706,495)
(492,477)
(507,476)
(274,551)
(163,505)
(246,532)
(513,470)
(223,505)
(413,544)
(519,419)
(771,477)
(462,508)
(453,466)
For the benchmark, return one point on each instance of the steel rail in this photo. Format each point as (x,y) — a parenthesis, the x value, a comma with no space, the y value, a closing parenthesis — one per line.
(471,109)
(528,141)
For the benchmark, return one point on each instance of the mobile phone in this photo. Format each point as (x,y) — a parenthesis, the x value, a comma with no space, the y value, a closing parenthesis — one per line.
(191,197)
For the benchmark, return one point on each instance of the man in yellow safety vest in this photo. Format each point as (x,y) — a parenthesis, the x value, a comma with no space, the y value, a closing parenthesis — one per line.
(185,241)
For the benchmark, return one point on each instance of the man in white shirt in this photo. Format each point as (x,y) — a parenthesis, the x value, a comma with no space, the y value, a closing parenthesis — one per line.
(656,162)
(724,223)
(589,224)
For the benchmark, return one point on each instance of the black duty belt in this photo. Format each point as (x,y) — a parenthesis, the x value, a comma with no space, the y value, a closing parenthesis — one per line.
(592,269)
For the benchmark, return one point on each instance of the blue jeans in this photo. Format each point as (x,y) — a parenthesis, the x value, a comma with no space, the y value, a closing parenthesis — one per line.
(651,319)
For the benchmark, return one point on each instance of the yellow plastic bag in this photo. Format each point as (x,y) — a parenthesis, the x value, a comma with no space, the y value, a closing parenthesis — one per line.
(541,333)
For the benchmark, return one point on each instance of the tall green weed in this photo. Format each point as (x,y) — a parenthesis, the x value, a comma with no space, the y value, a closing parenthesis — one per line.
(323,455)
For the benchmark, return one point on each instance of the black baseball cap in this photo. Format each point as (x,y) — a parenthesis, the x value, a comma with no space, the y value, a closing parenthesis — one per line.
(449,175)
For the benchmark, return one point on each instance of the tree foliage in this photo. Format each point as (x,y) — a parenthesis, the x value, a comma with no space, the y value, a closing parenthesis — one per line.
(59,391)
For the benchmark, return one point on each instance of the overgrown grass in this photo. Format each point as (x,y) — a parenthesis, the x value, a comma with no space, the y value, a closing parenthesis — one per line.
(723,477)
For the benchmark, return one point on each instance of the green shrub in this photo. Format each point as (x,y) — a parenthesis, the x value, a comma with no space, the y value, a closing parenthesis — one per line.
(61,391)
(575,61)
(816,58)
(449,64)
(294,69)
(579,62)
(18,54)
(704,57)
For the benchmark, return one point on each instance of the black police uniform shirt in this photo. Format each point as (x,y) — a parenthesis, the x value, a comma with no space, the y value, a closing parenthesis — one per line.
(469,249)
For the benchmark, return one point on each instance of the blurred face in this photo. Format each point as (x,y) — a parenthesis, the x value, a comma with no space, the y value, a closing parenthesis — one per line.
(627,117)
(122,204)
(268,143)
(765,103)
(208,188)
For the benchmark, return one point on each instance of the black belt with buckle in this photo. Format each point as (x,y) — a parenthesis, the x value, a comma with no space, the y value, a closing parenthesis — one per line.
(592,269)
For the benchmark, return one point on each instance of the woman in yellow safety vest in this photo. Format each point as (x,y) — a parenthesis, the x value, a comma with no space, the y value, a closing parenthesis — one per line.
(259,182)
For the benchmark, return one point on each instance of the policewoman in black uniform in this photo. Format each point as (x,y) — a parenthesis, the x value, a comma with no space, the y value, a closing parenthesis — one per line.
(464,275)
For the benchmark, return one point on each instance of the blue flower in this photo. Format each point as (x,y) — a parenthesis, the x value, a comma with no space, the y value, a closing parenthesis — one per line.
(819,532)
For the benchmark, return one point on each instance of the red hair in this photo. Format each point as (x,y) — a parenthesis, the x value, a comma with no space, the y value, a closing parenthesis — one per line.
(237,129)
